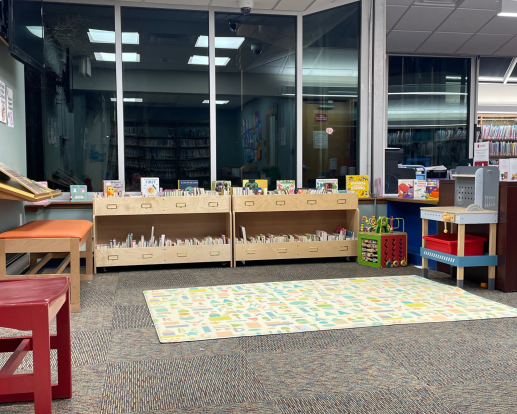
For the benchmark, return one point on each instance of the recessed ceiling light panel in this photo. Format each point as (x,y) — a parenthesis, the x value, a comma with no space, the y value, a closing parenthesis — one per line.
(105,36)
(221,42)
(203,60)
(111,57)
(206,101)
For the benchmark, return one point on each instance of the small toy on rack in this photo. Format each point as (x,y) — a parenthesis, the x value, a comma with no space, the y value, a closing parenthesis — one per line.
(364,221)
(382,246)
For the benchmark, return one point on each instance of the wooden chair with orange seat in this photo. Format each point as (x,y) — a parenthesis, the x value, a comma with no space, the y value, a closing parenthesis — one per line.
(52,237)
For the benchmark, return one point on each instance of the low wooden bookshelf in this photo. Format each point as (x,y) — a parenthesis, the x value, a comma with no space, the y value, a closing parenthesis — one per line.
(176,217)
(294,214)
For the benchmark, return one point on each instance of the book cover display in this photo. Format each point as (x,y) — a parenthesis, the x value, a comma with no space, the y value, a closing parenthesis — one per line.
(188,185)
(78,193)
(433,189)
(406,189)
(358,184)
(255,184)
(504,169)
(286,185)
(513,169)
(222,187)
(150,187)
(113,188)
(327,184)
(420,188)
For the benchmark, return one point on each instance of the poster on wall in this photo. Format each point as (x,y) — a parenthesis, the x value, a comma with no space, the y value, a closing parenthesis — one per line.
(3,105)
(320,140)
(10,108)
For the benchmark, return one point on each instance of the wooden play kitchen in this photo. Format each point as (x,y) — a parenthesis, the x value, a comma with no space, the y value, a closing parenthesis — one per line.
(476,202)
(179,217)
(295,214)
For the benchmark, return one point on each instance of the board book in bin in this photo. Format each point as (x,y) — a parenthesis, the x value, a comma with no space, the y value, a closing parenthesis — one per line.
(358,184)
(113,188)
(188,185)
(327,183)
(255,184)
(150,186)
(288,186)
(222,187)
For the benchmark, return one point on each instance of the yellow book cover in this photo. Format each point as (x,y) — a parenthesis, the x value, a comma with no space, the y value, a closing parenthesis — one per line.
(255,184)
(358,184)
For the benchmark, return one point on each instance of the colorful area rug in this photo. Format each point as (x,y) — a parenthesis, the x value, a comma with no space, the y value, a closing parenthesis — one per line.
(198,314)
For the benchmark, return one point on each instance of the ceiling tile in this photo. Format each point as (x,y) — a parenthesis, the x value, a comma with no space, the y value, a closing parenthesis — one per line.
(393,14)
(294,5)
(401,2)
(444,43)
(501,25)
(509,49)
(423,18)
(484,44)
(466,21)
(407,42)
(479,4)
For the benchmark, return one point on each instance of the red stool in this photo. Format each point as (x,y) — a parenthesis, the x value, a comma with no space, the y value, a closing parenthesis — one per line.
(31,304)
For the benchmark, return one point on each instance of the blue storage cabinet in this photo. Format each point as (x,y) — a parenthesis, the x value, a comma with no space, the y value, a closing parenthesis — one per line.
(409,210)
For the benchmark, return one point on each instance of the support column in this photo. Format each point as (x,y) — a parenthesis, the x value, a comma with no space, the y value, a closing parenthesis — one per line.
(379,108)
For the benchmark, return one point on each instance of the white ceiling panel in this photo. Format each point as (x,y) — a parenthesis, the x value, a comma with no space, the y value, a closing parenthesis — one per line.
(501,25)
(294,5)
(406,42)
(401,2)
(259,4)
(479,4)
(509,49)
(423,18)
(466,21)
(484,44)
(444,43)
(393,15)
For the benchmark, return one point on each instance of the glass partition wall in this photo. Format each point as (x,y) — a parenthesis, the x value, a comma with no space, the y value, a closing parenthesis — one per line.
(78,142)
(428,101)
(166,91)
(164,129)
(331,42)
(255,58)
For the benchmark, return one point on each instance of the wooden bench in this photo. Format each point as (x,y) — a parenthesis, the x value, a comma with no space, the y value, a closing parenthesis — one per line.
(53,237)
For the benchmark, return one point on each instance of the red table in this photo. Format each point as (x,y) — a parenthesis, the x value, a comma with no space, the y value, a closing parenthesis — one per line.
(31,304)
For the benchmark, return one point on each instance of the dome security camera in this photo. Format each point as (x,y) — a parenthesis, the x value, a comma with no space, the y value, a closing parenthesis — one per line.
(246,6)
(256,48)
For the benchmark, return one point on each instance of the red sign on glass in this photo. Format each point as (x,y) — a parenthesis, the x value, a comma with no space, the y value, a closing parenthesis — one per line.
(321,118)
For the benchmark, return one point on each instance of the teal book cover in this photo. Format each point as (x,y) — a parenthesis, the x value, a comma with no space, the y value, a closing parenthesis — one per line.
(78,193)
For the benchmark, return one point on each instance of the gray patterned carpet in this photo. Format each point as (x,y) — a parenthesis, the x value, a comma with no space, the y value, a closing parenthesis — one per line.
(120,367)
